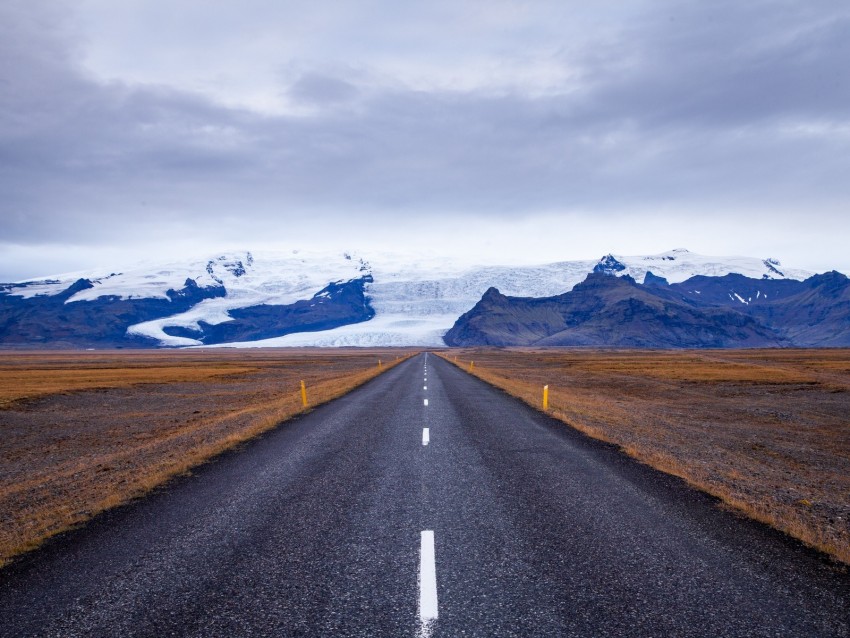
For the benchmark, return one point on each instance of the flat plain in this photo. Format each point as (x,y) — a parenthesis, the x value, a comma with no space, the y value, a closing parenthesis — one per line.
(81,432)
(765,431)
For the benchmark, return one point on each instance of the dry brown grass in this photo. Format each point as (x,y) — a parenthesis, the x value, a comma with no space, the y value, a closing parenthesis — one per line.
(766,431)
(83,432)
(18,384)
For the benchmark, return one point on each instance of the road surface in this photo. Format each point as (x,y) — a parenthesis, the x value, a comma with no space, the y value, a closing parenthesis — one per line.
(425,503)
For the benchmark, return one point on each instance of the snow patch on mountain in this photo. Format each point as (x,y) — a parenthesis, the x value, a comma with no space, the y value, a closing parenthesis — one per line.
(681,264)
(264,278)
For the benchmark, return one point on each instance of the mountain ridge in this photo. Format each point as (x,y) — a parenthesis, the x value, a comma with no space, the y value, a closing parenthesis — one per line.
(277,298)
(701,312)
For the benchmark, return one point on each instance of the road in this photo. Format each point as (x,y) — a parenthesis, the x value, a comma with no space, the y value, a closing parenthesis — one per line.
(344,522)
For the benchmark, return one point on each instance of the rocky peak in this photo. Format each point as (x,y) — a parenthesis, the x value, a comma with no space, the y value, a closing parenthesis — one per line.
(609,265)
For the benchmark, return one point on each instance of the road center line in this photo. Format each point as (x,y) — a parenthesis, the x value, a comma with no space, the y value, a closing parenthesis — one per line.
(424,387)
(426,401)
(426,436)
(427,578)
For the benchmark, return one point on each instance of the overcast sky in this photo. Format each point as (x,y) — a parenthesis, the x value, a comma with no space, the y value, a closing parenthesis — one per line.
(499,131)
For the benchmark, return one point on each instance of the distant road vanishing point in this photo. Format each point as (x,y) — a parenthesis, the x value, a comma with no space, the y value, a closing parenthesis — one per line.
(425,503)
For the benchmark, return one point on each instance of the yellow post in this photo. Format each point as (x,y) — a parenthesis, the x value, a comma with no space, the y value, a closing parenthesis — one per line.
(303,394)
(379,363)
(471,365)
(545,397)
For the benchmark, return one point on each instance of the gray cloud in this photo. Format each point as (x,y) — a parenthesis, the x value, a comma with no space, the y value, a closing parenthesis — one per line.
(726,64)
(722,106)
(315,88)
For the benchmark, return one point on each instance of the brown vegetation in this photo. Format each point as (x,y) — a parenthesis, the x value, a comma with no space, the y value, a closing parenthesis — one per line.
(82,432)
(766,431)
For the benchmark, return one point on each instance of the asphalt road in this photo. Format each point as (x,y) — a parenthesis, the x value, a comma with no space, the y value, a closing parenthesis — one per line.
(316,529)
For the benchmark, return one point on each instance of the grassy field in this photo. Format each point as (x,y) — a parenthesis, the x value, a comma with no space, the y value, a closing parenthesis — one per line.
(766,431)
(84,431)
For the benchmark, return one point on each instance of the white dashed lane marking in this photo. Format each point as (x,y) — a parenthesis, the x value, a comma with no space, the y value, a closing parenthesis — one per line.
(427,559)
(427,578)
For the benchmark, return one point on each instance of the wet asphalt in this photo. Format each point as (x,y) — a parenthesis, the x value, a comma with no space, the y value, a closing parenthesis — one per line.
(314,530)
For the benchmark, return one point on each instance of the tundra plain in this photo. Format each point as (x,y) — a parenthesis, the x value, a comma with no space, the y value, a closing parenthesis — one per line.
(765,431)
(81,432)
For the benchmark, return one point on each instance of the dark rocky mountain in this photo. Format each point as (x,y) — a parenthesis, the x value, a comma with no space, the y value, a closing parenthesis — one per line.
(48,321)
(702,312)
(813,313)
(609,265)
(650,279)
(338,304)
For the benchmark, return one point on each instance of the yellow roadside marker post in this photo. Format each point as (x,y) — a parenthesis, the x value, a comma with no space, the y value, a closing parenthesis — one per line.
(471,365)
(545,397)
(303,394)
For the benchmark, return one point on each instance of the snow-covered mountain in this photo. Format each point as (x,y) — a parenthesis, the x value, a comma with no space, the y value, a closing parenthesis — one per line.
(417,302)
(389,300)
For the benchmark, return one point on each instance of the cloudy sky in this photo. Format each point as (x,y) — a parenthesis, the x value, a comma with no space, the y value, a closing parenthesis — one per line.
(501,131)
